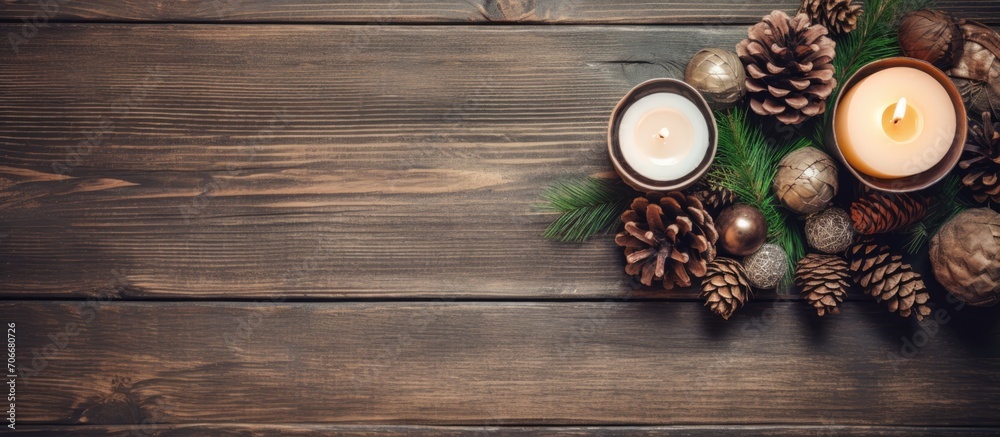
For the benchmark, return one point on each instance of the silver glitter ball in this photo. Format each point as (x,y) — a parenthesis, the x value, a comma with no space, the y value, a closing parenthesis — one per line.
(718,75)
(767,266)
(830,231)
(806,180)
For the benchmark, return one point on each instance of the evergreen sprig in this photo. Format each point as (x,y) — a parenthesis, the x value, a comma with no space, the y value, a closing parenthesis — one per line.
(587,206)
(746,163)
(949,200)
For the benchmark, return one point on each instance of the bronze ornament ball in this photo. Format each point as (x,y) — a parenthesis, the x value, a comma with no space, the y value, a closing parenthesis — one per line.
(965,256)
(718,75)
(767,266)
(830,231)
(806,181)
(742,230)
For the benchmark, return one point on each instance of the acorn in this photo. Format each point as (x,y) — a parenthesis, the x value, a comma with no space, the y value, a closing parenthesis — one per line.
(932,36)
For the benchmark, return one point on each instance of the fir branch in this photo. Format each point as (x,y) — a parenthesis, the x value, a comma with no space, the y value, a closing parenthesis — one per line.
(746,163)
(949,201)
(587,206)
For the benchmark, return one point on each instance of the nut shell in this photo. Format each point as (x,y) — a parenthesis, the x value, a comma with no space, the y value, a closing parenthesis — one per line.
(977,72)
(965,256)
(806,180)
(718,75)
(932,36)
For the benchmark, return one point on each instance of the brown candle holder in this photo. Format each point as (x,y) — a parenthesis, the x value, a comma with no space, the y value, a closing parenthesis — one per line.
(627,173)
(921,180)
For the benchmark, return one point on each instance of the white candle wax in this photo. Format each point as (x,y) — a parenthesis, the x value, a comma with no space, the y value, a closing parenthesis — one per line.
(663,136)
(895,123)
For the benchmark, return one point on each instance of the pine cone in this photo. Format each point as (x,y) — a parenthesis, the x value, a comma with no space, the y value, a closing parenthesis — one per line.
(981,161)
(884,276)
(667,238)
(715,198)
(880,212)
(823,279)
(838,16)
(789,67)
(725,287)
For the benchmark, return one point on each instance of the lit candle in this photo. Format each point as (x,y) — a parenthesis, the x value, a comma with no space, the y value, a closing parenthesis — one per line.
(662,136)
(897,122)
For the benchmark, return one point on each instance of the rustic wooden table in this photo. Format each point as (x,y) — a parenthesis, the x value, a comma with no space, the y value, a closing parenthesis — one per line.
(268,217)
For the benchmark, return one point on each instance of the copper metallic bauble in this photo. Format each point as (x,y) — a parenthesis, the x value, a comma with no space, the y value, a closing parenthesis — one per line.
(931,35)
(965,256)
(742,229)
(830,231)
(718,75)
(806,180)
(767,266)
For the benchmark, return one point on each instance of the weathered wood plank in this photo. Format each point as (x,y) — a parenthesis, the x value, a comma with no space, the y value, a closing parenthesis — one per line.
(433,11)
(403,430)
(500,364)
(311,161)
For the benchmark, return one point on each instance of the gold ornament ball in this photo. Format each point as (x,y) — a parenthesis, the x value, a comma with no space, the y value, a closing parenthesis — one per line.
(830,231)
(742,230)
(965,256)
(806,181)
(767,266)
(719,76)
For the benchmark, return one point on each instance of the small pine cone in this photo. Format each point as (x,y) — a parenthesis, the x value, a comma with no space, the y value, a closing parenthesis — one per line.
(838,16)
(789,66)
(980,164)
(879,212)
(885,276)
(667,238)
(715,198)
(725,287)
(823,279)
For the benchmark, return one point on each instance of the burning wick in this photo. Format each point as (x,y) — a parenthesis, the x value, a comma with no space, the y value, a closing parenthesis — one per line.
(900,110)
(664,133)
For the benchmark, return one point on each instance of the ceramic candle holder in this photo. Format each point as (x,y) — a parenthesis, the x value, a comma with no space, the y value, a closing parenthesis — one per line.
(629,174)
(921,180)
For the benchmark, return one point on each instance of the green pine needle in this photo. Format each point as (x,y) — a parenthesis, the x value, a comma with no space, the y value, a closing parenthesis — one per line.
(948,201)
(746,163)
(587,206)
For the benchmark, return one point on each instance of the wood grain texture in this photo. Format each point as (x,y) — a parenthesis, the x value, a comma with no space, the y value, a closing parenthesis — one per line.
(493,364)
(256,430)
(233,161)
(435,11)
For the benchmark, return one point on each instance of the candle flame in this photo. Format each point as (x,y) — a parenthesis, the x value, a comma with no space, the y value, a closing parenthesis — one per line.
(900,110)
(664,133)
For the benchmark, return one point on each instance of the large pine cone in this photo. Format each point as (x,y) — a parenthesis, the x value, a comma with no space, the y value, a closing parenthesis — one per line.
(981,161)
(879,212)
(823,280)
(884,276)
(789,67)
(667,238)
(838,16)
(725,287)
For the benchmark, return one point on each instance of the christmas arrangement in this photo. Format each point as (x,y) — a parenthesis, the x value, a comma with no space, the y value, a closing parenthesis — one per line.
(821,151)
